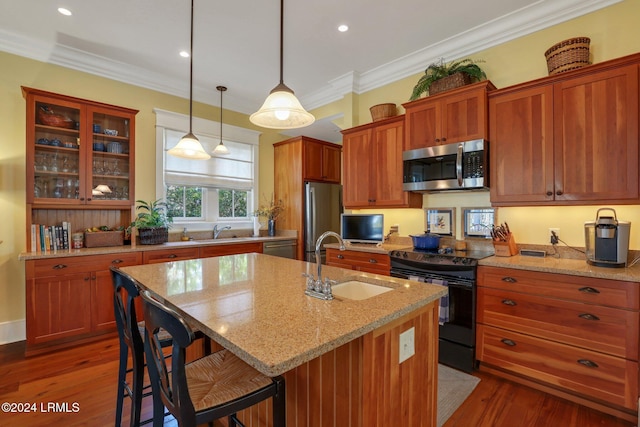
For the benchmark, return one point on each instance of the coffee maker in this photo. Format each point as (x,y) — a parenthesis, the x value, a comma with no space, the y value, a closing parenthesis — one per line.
(607,240)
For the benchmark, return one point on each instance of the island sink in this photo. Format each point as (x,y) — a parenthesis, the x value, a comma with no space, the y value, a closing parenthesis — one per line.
(357,290)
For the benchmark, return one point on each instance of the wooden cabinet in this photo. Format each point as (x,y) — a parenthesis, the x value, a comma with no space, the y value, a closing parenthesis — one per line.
(321,161)
(69,298)
(231,249)
(576,335)
(359,260)
(167,255)
(297,160)
(453,116)
(571,139)
(74,147)
(373,166)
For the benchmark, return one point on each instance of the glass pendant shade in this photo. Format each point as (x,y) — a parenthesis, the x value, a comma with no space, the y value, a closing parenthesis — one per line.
(282,110)
(189,148)
(220,149)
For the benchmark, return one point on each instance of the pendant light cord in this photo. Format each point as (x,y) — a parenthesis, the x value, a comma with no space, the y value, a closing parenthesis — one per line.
(221,89)
(281,41)
(191,75)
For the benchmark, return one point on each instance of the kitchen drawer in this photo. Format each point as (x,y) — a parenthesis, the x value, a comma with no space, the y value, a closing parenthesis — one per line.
(232,249)
(166,255)
(612,293)
(605,329)
(588,373)
(79,264)
(359,260)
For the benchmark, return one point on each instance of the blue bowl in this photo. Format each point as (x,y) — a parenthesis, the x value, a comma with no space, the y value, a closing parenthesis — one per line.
(98,146)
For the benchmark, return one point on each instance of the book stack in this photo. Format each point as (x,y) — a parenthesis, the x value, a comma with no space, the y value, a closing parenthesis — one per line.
(46,238)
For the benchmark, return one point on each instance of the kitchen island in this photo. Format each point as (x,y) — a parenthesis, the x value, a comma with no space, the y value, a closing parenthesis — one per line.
(340,358)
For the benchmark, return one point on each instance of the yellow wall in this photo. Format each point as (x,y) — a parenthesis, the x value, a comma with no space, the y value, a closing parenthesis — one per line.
(613,32)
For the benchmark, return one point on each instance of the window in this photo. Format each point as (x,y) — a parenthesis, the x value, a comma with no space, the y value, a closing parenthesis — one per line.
(206,191)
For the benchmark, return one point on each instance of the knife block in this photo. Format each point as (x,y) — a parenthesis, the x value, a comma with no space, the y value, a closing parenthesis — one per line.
(508,248)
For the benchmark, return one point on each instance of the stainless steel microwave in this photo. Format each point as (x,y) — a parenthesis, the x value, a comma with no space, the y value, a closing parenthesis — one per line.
(459,166)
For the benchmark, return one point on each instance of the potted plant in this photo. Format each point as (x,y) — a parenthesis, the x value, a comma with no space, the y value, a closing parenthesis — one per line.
(462,72)
(271,212)
(152,222)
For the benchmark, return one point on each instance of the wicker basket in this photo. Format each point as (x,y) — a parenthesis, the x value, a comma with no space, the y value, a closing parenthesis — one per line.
(568,55)
(383,111)
(101,239)
(49,118)
(153,236)
(450,82)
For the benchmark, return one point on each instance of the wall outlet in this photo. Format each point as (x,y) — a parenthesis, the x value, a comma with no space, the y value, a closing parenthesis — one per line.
(407,344)
(553,239)
(394,229)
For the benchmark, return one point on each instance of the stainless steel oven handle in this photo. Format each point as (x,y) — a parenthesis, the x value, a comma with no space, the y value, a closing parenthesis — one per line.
(459,163)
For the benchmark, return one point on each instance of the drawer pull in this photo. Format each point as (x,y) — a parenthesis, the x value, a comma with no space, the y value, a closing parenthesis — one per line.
(117,261)
(372,261)
(588,363)
(509,279)
(172,256)
(510,302)
(589,290)
(508,342)
(59,266)
(340,256)
(588,316)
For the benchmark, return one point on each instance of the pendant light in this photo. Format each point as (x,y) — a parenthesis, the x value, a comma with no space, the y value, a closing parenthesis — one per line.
(189,147)
(221,149)
(281,109)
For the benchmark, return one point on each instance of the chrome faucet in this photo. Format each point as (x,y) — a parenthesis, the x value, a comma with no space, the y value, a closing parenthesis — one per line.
(316,287)
(217,231)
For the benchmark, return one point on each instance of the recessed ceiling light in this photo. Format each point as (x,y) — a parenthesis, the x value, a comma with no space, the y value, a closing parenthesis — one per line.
(342,28)
(63,11)
(184,53)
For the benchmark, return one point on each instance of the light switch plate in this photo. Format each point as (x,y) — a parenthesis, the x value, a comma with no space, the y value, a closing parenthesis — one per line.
(407,344)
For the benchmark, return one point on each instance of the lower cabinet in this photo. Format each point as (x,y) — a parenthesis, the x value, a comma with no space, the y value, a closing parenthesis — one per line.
(232,249)
(71,298)
(369,262)
(573,336)
(167,255)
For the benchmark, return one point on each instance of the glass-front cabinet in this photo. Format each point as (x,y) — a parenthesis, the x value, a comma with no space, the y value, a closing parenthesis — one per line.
(79,153)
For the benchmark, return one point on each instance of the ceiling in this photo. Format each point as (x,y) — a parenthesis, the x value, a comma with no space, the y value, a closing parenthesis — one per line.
(236,42)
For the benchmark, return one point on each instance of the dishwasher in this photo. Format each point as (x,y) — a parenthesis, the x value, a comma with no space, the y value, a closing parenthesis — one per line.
(281,248)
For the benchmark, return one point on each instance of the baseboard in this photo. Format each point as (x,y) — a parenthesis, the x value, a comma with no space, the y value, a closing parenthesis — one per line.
(13,331)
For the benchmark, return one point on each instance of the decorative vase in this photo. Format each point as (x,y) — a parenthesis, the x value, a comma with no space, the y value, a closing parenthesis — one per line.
(256,226)
(272,227)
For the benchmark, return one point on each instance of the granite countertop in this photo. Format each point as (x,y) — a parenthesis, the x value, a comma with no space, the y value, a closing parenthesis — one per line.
(574,267)
(142,248)
(255,306)
(384,248)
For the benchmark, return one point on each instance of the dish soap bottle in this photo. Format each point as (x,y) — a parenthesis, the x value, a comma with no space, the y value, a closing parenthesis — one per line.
(184,237)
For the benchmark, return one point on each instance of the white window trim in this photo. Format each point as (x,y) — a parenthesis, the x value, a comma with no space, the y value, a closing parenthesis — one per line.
(180,122)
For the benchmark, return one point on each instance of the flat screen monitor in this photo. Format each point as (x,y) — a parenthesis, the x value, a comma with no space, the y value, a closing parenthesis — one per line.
(362,228)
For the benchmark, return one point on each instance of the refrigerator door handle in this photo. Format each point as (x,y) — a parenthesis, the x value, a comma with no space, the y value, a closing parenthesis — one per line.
(312,212)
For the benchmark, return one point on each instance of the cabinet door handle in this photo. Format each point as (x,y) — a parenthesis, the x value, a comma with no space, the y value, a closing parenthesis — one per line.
(59,266)
(589,290)
(549,193)
(444,139)
(340,257)
(509,279)
(508,342)
(559,193)
(588,363)
(117,261)
(437,140)
(372,261)
(82,199)
(172,256)
(89,199)
(509,302)
(588,316)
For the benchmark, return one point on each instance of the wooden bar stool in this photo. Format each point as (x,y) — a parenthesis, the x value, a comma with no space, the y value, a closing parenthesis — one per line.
(212,387)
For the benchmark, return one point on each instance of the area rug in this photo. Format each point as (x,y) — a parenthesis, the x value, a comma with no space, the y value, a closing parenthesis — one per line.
(453,388)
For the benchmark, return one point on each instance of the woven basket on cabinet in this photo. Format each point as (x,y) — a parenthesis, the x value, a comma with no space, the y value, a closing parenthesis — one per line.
(568,55)
(382,111)
(450,82)
(153,236)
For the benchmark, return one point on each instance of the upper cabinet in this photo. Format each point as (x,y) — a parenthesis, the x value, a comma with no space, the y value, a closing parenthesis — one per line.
(571,139)
(79,153)
(321,161)
(373,166)
(453,116)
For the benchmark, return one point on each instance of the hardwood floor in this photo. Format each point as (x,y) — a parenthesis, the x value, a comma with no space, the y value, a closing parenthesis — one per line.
(84,379)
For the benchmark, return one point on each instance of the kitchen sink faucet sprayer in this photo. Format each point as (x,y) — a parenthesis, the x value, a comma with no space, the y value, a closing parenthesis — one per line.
(217,231)
(316,287)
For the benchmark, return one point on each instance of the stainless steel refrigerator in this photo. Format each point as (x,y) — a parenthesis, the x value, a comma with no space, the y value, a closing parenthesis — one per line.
(323,206)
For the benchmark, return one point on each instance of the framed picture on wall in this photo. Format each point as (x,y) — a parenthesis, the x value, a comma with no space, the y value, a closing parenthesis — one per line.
(440,221)
(479,221)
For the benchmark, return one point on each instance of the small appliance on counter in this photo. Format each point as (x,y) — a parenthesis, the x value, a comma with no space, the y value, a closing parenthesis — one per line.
(607,240)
